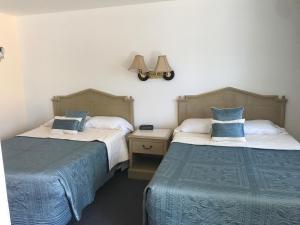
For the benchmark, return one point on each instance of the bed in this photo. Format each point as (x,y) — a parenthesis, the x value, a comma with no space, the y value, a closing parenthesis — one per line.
(52,177)
(200,182)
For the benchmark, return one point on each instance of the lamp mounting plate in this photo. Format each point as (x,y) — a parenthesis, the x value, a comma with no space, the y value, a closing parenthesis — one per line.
(154,75)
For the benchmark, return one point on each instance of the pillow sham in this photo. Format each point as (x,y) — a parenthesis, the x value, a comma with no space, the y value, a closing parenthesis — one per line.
(78,114)
(228,124)
(109,122)
(195,125)
(49,123)
(228,131)
(67,125)
(261,127)
(227,114)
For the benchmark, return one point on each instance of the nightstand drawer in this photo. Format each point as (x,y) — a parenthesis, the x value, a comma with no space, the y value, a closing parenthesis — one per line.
(146,150)
(148,147)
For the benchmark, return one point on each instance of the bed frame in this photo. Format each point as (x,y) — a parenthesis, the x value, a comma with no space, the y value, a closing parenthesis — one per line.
(97,103)
(267,107)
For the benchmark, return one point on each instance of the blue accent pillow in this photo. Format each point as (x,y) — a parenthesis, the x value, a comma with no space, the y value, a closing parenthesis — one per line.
(228,114)
(228,124)
(78,114)
(234,130)
(66,124)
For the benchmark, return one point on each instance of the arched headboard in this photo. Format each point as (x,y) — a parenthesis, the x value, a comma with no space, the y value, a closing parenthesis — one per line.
(267,107)
(97,103)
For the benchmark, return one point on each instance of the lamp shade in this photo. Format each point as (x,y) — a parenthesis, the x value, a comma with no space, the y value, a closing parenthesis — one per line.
(139,64)
(162,65)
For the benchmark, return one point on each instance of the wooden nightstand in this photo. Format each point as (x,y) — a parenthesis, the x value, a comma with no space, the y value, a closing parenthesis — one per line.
(146,150)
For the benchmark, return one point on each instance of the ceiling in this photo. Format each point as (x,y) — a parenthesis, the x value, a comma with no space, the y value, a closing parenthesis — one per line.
(27,7)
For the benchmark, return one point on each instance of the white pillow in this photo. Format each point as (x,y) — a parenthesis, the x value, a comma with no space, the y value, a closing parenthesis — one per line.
(109,122)
(202,126)
(261,127)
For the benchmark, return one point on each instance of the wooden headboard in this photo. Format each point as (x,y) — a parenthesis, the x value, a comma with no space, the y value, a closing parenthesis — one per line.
(97,103)
(267,107)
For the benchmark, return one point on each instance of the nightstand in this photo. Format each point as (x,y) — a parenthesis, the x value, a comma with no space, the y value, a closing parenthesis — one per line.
(146,150)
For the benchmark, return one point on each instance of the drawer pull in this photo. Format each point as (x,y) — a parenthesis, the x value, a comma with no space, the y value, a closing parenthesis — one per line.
(147,148)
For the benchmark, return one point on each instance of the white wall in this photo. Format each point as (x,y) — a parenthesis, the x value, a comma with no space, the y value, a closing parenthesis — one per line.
(249,44)
(12,99)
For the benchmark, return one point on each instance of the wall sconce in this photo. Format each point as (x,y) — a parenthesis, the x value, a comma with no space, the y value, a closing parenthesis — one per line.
(162,69)
(1,53)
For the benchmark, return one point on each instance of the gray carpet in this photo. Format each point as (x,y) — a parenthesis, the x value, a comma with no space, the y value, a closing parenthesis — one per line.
(118,202)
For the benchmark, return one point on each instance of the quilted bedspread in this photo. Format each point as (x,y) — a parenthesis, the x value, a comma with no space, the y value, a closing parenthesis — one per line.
(209,185)
(50,180)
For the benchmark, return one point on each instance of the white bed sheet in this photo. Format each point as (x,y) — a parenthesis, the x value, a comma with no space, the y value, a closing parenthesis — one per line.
(114,140)
(282,141)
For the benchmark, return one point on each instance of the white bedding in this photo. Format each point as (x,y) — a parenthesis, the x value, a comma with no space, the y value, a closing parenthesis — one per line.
(114,140)
(282,141)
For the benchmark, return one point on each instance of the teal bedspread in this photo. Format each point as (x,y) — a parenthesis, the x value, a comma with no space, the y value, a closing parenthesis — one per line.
(49,180)
(208,185)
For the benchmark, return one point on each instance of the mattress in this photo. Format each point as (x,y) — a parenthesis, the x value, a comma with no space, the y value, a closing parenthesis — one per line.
(224,185)
(49,180)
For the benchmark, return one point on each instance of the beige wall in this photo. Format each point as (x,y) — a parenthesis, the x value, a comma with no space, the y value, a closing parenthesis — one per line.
(12,100)
(248,44)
